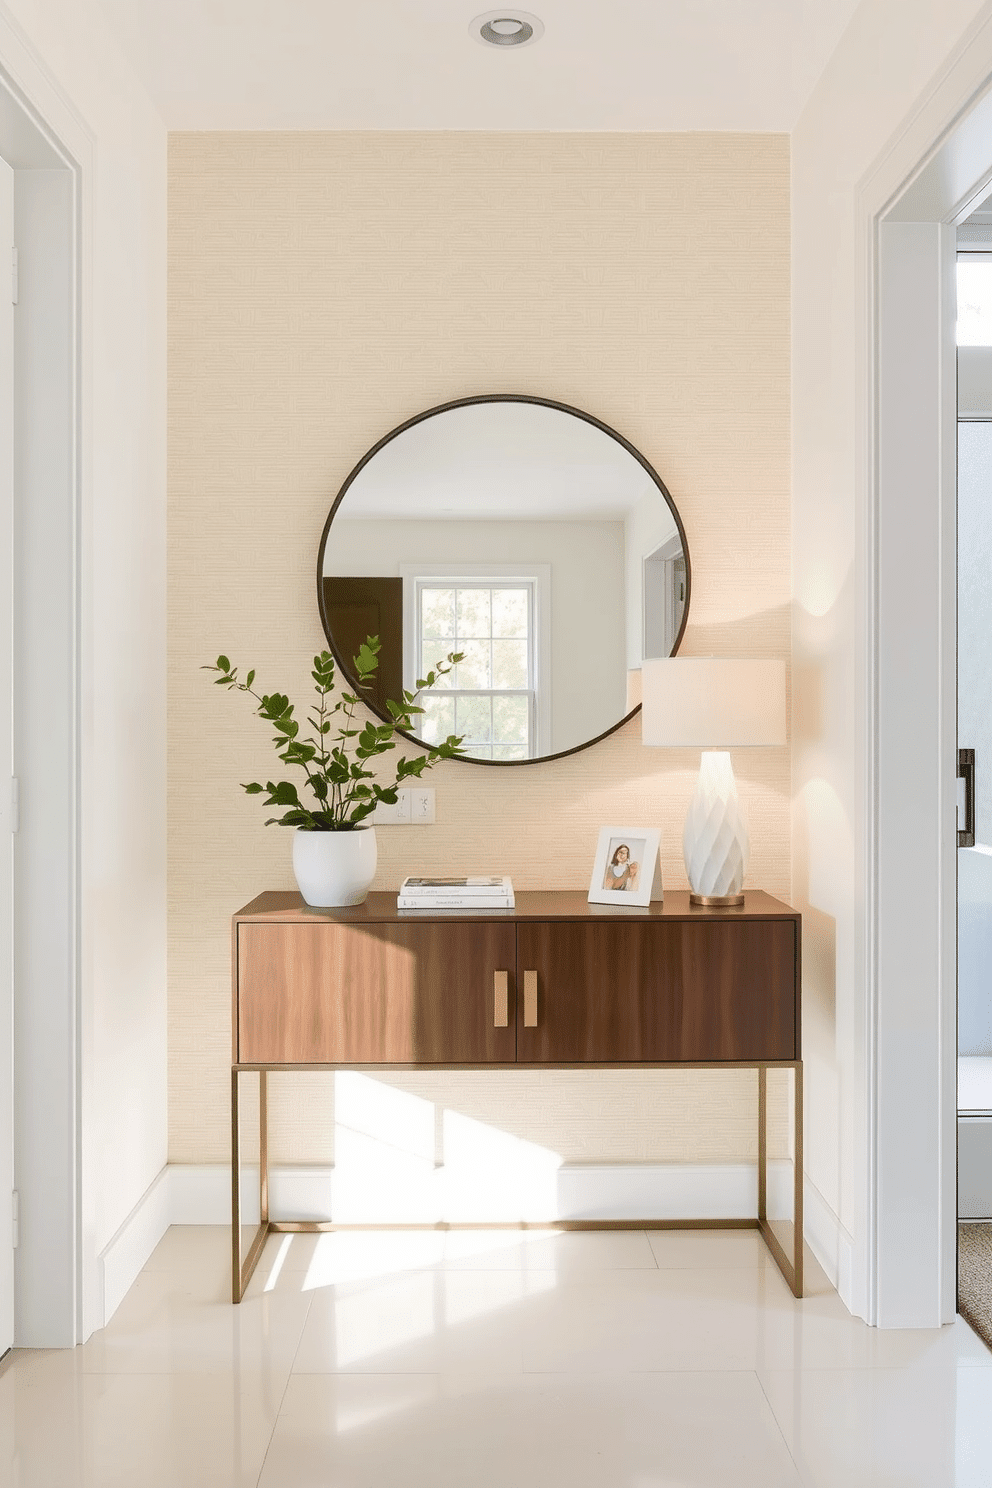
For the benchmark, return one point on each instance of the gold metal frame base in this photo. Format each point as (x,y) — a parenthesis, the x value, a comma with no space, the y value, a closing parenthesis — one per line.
(773,1232)
(716,901)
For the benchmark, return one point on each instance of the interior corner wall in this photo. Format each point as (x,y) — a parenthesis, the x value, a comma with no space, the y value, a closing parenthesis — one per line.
(325,287)
(886,67)
(62,48)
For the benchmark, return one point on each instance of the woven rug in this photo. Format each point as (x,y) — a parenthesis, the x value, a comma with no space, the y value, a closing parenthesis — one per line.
(975,1277)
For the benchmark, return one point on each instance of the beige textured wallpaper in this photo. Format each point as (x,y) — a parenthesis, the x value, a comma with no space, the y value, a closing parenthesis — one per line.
(324,287)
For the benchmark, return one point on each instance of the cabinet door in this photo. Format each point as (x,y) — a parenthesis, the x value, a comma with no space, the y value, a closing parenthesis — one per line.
(623,992)
(375,994)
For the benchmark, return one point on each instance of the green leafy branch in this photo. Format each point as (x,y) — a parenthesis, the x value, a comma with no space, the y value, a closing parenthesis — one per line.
(335,753)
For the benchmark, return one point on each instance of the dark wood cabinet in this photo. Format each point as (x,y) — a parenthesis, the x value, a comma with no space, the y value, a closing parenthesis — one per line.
(556,982)
(658,992)
(374,985)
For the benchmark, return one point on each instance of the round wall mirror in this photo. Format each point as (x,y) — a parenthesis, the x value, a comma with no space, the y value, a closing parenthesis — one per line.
(529,537)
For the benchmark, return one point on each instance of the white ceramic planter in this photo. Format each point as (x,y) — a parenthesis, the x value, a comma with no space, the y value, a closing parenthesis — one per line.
(334,868)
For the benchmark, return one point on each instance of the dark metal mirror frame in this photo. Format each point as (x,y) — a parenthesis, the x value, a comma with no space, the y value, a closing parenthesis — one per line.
(463,403)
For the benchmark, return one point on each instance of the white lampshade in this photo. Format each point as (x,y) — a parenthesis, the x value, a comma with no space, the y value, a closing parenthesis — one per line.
(712,702)
(707,702)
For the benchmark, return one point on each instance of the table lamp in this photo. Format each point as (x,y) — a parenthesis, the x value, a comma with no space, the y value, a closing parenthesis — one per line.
(708,701)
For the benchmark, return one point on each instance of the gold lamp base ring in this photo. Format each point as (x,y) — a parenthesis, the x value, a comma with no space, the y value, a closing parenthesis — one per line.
(717,901)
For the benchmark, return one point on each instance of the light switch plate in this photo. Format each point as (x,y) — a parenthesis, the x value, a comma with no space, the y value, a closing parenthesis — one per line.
(413,807)
(422,805)
(393,816)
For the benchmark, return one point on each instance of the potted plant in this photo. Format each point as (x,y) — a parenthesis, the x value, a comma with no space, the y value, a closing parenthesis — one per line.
(334,849)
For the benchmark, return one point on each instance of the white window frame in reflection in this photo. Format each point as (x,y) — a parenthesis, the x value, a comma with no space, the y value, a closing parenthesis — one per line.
(536,579)
(478,749)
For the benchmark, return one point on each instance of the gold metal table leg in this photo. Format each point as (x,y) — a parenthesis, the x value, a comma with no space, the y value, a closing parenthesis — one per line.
(263,1146)
(762,1143)
(242,1267)
(791,1267)
(235,1188)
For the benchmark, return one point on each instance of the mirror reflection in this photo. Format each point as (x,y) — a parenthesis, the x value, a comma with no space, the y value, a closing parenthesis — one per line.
(530,538)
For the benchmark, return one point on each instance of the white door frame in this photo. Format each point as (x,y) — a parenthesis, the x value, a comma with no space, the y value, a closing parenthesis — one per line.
(57,1275)
(7,1213)
(928,180)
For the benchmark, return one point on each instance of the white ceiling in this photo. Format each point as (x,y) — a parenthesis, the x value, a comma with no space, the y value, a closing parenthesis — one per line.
(504,462)
(411,64)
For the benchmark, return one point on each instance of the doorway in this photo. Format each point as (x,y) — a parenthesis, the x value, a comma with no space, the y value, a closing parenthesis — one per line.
(974,1106)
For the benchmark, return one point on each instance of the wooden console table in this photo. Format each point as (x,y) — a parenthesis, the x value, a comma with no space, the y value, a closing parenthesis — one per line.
(555,983)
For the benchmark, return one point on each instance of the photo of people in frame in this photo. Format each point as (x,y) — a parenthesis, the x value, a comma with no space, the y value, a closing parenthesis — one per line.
(623,865)
(626,871)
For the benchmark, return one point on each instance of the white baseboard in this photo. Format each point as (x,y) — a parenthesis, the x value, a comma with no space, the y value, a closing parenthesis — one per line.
(123,1257)
(201,1194)
(829,1241)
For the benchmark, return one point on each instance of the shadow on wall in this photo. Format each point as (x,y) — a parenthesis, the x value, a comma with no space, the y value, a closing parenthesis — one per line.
(822,837)
(756,634)
(824,768)
(752,633)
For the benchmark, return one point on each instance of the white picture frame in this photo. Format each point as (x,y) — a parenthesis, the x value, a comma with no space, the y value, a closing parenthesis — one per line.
(613,881)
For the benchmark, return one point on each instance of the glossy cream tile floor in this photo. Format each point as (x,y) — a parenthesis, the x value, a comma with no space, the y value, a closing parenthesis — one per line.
(494,1360)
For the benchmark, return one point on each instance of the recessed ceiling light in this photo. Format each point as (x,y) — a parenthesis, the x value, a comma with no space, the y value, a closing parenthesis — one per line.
(507,28)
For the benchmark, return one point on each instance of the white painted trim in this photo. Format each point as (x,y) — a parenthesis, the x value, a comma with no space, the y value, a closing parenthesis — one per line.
(57,1269)
(122,1259)
(201,1194)
(7,498)
(42,98)
(930,172)
(827,1238)
(915,884)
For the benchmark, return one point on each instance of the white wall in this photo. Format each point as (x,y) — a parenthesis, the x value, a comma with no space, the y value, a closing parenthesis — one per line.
(62,56)
(873,87)
(585,557)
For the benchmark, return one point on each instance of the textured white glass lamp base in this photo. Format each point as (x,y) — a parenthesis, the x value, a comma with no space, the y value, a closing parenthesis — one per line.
(715,841)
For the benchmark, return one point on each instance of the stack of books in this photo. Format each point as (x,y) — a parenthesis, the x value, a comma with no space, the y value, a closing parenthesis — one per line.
(491,892)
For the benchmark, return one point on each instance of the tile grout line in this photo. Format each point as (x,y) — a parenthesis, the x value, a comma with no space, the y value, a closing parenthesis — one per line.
(289,1376)
(804,1482)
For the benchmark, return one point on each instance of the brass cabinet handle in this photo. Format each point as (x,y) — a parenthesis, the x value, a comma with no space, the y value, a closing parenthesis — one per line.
(501,999)
(530,999)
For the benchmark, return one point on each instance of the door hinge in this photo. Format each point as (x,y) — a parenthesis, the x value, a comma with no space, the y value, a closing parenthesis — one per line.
(15,287)
(15,804)
(15,1210)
